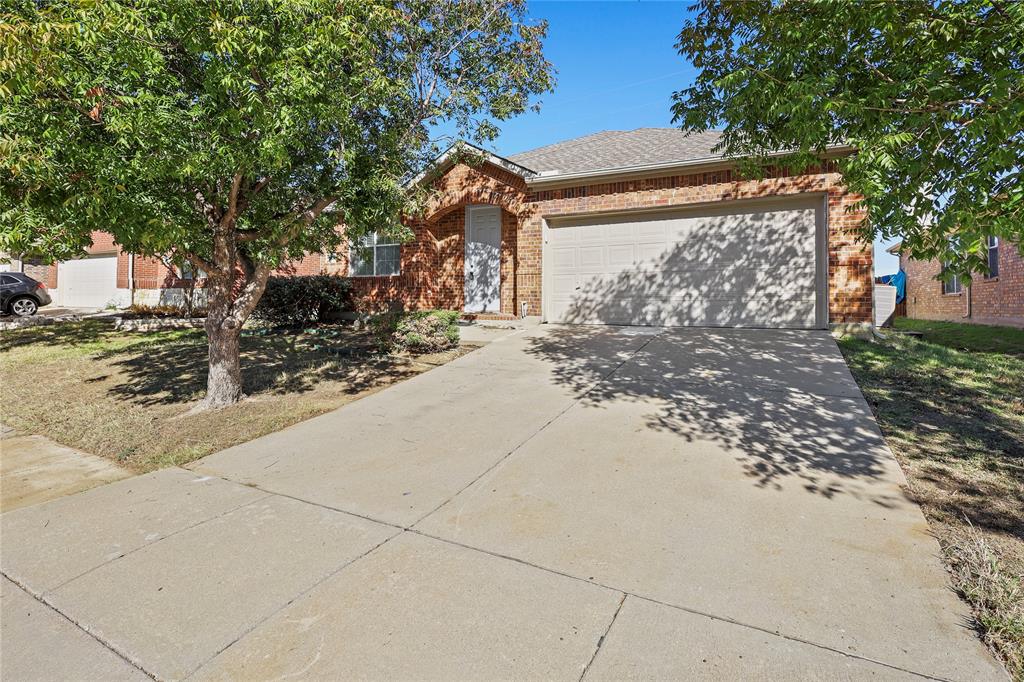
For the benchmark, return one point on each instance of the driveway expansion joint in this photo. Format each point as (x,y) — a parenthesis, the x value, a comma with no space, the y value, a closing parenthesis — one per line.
(696,612)
(291,601)
(792,638)
(160,539)
(78,626)
(603,637)
(575,401)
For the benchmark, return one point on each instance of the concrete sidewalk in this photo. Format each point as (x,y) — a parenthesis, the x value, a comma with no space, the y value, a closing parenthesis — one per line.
(35,469)
(564,502)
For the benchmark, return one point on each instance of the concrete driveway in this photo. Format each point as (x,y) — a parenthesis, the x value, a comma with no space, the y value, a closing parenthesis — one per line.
(566,502)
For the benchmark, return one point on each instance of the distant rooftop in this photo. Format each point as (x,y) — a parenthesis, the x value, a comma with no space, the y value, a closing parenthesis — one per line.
(615,149)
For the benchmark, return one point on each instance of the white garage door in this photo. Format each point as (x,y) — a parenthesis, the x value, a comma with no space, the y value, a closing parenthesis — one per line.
(750,264)
(88,282)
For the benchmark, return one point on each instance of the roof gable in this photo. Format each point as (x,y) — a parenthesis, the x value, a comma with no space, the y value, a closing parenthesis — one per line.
(464,151)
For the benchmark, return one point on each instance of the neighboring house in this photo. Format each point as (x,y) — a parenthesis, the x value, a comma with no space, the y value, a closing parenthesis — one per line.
(994,299)
(9,262)
(107,276)
(646,226)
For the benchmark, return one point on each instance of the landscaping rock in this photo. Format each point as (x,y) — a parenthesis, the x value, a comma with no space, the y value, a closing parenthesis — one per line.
(19,322)
(149,324)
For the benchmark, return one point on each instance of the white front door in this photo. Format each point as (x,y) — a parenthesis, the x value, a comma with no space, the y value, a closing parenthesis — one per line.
(483,259)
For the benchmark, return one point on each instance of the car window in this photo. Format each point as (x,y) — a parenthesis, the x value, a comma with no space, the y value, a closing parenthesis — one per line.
(7,279)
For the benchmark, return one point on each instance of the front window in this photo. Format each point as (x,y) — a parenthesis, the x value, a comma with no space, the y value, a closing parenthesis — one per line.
(952,285)
(374,255)
(187,271)
(993,257)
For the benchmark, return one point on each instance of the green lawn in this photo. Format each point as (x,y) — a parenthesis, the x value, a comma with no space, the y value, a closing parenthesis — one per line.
(128,395)
(951,406)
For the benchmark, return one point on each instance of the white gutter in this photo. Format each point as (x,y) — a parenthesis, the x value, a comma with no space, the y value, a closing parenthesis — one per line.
(131,278)
(555,177)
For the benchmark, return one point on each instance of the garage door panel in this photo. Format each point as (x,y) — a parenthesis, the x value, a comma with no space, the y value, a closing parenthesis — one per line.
(592,257)
(650,254)
(620,232)
(654,230)
(754,268)
(88,282)
(563,257)
(563,285)
(714,275)
(774,224)
(621,256)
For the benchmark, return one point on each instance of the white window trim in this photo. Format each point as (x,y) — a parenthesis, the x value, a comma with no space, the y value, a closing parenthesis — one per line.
(954,282)
(372,252)
(992,243)
(188,272)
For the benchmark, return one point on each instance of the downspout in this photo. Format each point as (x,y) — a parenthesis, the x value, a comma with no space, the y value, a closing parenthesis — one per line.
(970,303)
(131,279)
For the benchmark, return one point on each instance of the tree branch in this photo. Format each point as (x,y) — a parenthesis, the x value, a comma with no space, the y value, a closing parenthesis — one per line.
(232,213)
(200,263)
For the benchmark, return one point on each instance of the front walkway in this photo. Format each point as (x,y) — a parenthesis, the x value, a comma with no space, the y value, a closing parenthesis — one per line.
(35,469)
(564,502)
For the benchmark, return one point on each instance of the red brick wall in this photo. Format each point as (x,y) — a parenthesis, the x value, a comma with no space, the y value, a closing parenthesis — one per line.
(433,267)
(850,260)
(925,300)
(413,288)
(47,274)
(998,300)
(436,279)
(102,242)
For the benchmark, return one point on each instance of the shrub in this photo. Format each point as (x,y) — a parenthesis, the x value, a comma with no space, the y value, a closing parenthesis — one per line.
(427,331)
(299,300)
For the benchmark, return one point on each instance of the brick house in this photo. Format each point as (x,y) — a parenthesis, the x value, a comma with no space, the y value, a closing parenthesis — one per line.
(623,227)
(996,299)
(643,227)
(107,276)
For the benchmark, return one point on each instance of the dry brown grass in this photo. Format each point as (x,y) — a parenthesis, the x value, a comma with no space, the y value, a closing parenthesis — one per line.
(128,396)
(951,406)
(982,576)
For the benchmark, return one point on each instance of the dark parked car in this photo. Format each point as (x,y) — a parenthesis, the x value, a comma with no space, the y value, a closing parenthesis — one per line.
(21,295)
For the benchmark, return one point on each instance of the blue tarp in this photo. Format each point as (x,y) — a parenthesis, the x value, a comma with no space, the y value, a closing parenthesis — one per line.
(899,280)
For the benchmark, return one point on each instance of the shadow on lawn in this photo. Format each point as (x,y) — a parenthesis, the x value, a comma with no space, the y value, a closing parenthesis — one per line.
(761,395)
(279,363)
(956,416)
(169,367)
(60,334)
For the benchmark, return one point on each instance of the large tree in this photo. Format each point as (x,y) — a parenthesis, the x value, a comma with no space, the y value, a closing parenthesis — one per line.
(236,134)
(929,92)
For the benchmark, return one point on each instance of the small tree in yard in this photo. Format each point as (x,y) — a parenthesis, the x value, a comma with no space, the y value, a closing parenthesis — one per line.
(238,134)
(929,92)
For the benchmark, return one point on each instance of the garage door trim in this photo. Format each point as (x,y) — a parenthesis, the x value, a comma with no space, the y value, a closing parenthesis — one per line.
(816,200)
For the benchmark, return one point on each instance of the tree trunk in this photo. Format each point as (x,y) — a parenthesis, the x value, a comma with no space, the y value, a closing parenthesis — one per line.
(234,284)
(229,306)
(224,380)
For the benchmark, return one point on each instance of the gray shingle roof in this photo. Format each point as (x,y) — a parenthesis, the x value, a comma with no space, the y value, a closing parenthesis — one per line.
(613,149)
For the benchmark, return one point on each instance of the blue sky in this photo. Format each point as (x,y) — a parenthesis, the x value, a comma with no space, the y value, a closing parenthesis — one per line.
(617,69)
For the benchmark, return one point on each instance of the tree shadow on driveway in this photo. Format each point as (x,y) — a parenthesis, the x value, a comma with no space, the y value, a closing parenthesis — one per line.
(781,403)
